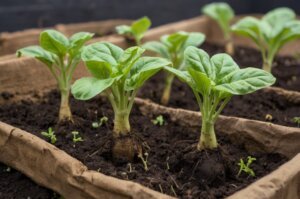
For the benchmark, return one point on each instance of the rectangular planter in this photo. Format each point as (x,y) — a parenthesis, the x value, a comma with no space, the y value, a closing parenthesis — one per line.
(10,42)
(78,182)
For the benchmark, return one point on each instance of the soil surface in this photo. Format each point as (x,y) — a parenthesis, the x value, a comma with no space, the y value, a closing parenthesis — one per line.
(252,106)
(178,171)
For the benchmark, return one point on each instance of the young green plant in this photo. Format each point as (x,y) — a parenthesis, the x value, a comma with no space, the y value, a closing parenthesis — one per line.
(246,167)
(172,47)
(50,134)
(270,33)
(61,55)
(222,13)
(118,74)
(214,81)
(136,31)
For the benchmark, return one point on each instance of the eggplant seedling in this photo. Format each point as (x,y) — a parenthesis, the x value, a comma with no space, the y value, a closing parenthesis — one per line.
(214,81)
(297,121)
(136,31)
(159,120)
(246,167)
(103,120)
(270,33)
(118,74)
(50,134)
(76,137)
(61,55)
(172,47)
(222,13)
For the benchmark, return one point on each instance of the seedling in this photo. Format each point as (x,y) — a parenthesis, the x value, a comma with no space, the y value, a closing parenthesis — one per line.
(214,81)
(269,117)
(270,33)
(144,160)
(159,120)
(222,13)
(172,47)
(118,74)
(50,134)
(246,167)
(297,121)
(136,31)
(61,55)
(103,120)
(76,137)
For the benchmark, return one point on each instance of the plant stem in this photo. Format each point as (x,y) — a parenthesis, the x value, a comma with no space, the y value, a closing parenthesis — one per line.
(65,111)
(208,138)
(121,123)
(229,47)
(167,90)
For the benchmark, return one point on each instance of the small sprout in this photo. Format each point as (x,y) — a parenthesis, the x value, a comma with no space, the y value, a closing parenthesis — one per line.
(76,137)
(129,167)
(297,121)
(159,120)
(103,120)
(173,190)
(269,117)
(50,134)
(136,31)
(144,160)
(246,167)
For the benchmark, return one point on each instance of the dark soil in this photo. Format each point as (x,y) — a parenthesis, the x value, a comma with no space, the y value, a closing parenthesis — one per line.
(253,106)
(191,174)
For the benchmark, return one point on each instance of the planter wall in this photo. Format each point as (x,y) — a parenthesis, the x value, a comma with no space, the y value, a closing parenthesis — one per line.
(32,75)
(10,42)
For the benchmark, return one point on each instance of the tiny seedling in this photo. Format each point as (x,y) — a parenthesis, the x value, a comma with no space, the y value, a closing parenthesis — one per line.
(268,117)
(144,160)
(118,74)
(61,55)
(214,80)
(76,137)
(103,120)
(297,121)
(50,134)
(136,31)
(222,13)
(270,33)
(246,167)
(172,47)
(159,120)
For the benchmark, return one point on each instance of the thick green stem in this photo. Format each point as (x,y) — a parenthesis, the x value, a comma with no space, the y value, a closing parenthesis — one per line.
(208,138)
(167,90)
(267,65)
(65,111)
(121,123)
(229,47)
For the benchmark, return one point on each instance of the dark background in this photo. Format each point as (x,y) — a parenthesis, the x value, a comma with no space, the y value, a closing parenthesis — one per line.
(22,14)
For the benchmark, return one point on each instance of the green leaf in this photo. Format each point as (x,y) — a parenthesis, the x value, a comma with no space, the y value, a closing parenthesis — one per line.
(202,82)
(244,81)
(88,87)
(184,76)
(199,60)
(129,57)
(249,27)
(143,69)
(223,65)
(194,39)
(78,40)
(158,48)
(102,52)
(38,53)
(123,30)
(140,27)
(54,41)
(221,12)
(175,41)
(279,16)
(101,70)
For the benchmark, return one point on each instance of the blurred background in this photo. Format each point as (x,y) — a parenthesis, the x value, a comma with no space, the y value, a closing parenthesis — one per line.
(22,14)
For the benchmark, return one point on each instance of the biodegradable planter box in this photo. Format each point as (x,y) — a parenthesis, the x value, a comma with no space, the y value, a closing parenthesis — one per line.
(69,177)
(10,42)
